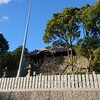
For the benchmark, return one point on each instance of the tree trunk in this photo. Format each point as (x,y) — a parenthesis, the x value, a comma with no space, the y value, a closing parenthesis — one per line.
(71,53)
(89,64)
(67,50)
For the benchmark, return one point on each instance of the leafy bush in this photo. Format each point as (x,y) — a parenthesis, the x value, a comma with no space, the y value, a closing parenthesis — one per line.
(96,60)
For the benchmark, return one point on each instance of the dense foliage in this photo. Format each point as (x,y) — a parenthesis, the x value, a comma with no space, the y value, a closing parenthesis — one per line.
(96,60)
(16,54)
(3,44)
(78,29)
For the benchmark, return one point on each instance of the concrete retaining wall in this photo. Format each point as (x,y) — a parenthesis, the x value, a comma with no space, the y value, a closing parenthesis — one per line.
(51,95)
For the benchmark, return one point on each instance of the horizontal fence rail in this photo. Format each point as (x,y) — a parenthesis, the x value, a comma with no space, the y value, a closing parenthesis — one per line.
(79,81)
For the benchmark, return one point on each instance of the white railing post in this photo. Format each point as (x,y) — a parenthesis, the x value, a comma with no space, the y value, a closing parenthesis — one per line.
(95,80)
(87,81)
(69,82)
(91,81)
(83,81)
(98,77)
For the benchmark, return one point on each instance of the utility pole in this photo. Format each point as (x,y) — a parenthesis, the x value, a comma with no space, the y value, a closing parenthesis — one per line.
(24,42)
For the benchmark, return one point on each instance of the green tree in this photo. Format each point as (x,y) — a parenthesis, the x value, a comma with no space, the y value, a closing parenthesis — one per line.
(3,44)
(96,60)
(90,17)
(17,54)
(64,28)
(86,47)
(5,60)
(58,43)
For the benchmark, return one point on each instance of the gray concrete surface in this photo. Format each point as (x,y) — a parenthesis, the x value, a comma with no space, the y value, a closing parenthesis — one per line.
(50,95)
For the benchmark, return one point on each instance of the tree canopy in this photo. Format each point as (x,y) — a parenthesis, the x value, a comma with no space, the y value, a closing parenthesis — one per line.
(17,54)
(91,19)
(75,26)
(62,26)
(3,44)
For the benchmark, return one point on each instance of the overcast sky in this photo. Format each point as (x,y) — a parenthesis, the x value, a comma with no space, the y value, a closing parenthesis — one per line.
(13,15)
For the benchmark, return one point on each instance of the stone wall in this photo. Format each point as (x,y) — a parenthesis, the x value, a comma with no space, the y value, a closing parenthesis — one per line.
(51,95)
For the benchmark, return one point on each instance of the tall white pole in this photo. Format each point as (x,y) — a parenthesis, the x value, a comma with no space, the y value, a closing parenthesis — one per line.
(24,42)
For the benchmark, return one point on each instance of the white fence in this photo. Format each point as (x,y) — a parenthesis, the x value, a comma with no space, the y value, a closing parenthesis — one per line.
(51,82)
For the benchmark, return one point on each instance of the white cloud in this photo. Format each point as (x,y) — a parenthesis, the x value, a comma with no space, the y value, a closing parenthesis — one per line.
(7,1)
(4,18)
(4,1)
